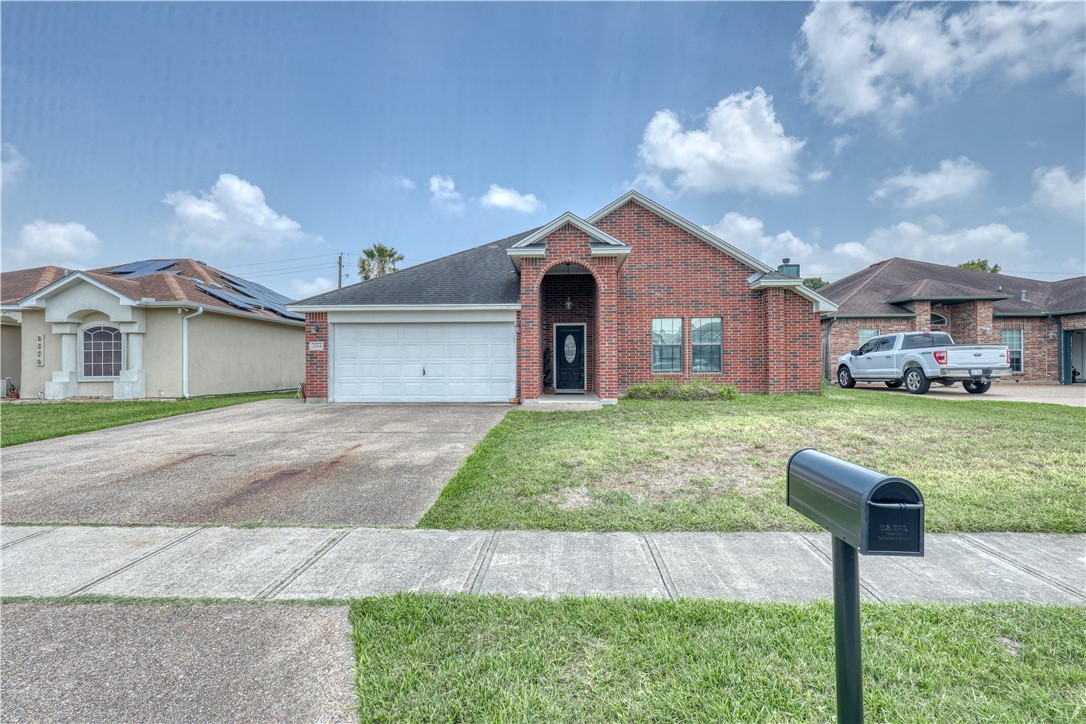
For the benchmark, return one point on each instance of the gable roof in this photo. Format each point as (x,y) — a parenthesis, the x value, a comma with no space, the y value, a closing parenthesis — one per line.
(156,282)
(687,226)
(885,289)
(480,275)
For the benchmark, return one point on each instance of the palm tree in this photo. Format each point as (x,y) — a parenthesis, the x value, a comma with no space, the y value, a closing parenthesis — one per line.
(377,261)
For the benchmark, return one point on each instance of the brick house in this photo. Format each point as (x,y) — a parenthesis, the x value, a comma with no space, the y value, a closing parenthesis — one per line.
(578,306)
(1043,323)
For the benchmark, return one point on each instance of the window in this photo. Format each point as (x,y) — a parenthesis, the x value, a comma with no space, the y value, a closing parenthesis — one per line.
(868,346)
(866,334)
(1013,339)
(938,320)
(886,344)
(932,339)
(705,341)
(102,351)
(667,345)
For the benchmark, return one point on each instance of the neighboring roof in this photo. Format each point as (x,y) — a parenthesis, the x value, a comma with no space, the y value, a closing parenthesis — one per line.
(158,282)
(481,275)
(885,288)
(21,283)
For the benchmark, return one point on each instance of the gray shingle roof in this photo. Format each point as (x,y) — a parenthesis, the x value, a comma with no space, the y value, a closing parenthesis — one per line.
(870,291)
(481,275)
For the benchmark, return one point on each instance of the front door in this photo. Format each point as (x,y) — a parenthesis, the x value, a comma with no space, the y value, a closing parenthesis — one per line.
(569,358)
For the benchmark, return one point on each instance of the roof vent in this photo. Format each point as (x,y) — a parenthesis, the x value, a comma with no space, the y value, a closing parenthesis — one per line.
(788,269)
(1025,296)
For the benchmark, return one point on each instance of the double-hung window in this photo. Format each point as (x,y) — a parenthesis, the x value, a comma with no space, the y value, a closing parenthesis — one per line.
(102,351)
(705,344)
(667,344)
(1013,339)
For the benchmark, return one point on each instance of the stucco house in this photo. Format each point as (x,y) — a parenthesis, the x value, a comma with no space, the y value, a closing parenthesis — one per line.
(580,306)
(154,328)
(1043,323)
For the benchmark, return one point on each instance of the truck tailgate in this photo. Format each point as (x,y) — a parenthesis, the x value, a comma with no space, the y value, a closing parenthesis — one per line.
(976,356)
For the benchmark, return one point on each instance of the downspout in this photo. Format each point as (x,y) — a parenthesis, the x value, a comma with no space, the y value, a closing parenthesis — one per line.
(1062,369)
(185,351)
(827,353)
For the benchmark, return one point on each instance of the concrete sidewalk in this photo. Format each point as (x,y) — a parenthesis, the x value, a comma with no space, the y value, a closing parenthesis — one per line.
(314,563)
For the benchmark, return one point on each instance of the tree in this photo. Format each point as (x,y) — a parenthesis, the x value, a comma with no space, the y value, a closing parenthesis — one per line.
(377,261)
(981,265)
(814,282)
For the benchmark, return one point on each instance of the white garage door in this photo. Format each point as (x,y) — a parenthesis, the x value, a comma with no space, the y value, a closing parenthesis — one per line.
(424,362)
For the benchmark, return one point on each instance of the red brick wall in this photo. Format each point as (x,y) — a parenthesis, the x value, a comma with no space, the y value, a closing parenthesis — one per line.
(1040,355)
(316,361)
(792,327)
(671,273)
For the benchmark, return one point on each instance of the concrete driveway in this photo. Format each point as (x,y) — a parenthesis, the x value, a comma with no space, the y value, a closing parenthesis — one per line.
(1002,391)
(276,461)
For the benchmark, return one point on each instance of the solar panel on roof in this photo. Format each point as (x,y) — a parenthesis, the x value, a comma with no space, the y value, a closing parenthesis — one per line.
(232,299)
(256,291)
(141,268)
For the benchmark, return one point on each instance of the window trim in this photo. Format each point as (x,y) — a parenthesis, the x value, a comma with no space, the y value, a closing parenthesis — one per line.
(81,353)
(1021,350)
(681,345)
(719,345)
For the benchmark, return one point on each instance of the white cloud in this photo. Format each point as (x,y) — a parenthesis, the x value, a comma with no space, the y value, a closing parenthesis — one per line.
(857,61)
(70,245)
(400,182)
(929,242)
(748,233)
(955,178)
(820,175)
(303,289)
(443,193)
(233,216)
(502,198)
(840,142)
(742,146)
(12,165)
(1056,190)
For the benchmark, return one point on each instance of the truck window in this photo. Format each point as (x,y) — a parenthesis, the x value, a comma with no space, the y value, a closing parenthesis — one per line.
(885,344)
(868,346)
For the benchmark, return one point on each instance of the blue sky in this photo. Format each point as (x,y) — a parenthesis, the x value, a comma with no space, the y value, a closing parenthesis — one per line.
(265,138)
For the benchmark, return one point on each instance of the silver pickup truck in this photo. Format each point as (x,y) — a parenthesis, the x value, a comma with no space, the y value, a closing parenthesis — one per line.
(916,359)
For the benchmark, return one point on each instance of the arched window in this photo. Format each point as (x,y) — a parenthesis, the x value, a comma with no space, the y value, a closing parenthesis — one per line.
(938,320)
(103,351)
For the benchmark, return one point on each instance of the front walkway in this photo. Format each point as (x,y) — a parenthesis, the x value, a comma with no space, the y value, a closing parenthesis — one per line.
(330,563)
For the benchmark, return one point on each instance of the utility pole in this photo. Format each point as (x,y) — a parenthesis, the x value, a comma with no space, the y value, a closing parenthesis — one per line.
(339,273)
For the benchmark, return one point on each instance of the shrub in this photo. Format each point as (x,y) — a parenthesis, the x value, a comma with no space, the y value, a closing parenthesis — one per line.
(665,389)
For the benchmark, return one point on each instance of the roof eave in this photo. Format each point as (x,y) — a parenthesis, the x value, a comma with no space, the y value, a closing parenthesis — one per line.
(822,305)
(32,301)
(303,308)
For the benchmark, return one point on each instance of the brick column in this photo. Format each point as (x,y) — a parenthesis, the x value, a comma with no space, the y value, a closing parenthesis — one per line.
(922,321)
(529,342)
(606,384)
(316,356)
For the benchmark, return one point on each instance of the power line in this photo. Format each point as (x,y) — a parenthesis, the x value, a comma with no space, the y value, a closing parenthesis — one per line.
(280,261)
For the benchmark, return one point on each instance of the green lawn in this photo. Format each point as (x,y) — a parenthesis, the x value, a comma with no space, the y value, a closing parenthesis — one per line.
(23,422)
(434,658)
(672,466)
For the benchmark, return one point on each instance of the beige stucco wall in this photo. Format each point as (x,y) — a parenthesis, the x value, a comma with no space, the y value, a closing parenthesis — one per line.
(234,354)
(162,352)
(35,377)
(11,355)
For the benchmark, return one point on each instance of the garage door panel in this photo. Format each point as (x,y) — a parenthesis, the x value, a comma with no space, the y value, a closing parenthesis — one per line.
(385,362)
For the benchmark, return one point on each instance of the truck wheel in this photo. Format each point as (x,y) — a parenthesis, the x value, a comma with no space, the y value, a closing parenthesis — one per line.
(915,381)
(977,387)
(844,378)
(893,384)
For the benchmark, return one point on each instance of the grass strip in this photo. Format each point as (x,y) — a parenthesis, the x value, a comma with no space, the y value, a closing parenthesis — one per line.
(431,658)
(22,423)
(719,466)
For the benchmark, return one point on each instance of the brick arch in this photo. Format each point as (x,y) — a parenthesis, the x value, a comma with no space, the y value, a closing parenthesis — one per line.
(584,287)
(567,260)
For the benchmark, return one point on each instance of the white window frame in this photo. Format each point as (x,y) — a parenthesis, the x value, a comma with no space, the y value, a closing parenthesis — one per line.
(719,345)
(83,376)
(680,345)
(863,336)
(1021,349)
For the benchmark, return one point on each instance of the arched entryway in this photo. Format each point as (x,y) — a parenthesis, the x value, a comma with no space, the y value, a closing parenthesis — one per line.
(569,327)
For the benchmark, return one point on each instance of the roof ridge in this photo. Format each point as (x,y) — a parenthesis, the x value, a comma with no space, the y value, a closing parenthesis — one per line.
(883,265)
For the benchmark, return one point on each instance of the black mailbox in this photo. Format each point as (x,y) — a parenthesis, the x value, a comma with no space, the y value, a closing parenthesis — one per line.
(874,513)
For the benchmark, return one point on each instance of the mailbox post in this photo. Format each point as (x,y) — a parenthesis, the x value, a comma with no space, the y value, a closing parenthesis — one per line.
(869,513)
